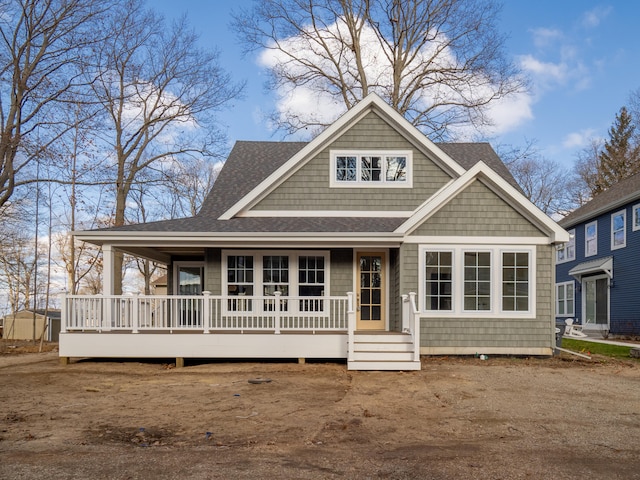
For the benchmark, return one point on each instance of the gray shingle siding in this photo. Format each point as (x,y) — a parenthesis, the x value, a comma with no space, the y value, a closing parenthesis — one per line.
(478,211)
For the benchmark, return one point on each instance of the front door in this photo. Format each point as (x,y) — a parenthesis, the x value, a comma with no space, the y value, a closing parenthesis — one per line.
(370,291)
(596,303)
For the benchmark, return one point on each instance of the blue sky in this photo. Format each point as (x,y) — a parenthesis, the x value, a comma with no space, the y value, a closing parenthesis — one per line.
(583,59)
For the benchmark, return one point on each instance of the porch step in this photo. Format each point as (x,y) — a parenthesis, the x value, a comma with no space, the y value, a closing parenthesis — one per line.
(396,366)
(383,351)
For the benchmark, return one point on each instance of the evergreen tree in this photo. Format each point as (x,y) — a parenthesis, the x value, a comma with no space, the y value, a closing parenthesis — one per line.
(620,156)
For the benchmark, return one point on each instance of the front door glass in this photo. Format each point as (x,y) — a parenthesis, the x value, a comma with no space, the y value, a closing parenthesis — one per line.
(371,291)
(596,308)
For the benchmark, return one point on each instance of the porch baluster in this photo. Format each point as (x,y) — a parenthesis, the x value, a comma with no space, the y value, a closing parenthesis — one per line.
(206,313)
(276,311)
(135,313)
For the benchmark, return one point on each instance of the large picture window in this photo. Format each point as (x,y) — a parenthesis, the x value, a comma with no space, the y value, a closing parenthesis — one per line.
(368,169)
(491,281)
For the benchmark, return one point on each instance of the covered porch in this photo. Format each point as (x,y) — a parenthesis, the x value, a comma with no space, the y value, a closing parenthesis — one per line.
(216,326)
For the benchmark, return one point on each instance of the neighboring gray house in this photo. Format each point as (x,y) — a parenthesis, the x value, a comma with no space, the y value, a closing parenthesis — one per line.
(369,243)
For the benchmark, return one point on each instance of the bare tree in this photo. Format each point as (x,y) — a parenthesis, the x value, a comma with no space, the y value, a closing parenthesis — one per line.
(543,181)
(41,46)
(440,63)
(159,93)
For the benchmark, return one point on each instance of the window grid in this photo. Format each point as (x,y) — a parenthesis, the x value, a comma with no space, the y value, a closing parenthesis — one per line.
(372,168)
(515,281)
(565,299)
(568,251)
(240,281)
(477,281)
(438,280)
(618,230)
(591,239)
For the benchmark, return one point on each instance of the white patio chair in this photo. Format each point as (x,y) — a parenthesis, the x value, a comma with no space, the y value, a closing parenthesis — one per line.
(572,330)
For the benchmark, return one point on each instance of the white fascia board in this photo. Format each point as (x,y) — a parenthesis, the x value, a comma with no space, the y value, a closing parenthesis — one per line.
(289,167)
(474,240)
(326,213)
(206,239)
(482,171)
(351,116)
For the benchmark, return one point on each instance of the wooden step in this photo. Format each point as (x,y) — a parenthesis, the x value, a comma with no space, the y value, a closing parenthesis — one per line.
(388,366)
(385,356)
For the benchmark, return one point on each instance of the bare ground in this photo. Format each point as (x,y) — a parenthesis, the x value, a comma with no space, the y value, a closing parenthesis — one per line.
(503,418)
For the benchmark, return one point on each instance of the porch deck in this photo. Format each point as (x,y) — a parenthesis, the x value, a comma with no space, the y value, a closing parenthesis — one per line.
(208,326)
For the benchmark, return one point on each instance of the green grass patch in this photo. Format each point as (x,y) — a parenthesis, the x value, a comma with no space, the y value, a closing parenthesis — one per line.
(613,351)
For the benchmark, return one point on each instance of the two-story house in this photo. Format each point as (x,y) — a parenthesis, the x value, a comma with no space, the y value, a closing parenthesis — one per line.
(598,270)
(370,243)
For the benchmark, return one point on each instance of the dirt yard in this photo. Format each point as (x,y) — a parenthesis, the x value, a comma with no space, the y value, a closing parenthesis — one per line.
(501,418)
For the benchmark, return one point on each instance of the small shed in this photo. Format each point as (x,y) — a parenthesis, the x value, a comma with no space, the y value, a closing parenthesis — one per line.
(19,325)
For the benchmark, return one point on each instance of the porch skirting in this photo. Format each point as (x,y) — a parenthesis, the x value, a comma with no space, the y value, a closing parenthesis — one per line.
(199,345)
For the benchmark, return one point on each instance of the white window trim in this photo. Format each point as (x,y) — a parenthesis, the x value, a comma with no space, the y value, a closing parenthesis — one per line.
(586,250)
(408,183)
(458,282)
(570,284)
(258,267)
(633,217)
(624,229)
(565,246)
(176,274)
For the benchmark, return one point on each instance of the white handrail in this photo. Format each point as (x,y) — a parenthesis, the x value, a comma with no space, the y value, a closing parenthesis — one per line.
(140,313)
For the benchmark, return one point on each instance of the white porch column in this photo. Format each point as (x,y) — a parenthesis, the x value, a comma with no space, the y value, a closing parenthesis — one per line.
(108,273)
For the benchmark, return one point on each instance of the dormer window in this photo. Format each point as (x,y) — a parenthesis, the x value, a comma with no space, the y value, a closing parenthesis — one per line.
(371,169)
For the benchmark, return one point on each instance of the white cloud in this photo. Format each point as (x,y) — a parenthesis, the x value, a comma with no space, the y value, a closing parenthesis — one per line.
(544,73)
(510,112)
(579,139)
(311,103)
(592,18)
(544,37)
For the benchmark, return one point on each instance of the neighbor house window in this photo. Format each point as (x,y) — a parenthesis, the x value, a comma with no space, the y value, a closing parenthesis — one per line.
(488,282)
(477,281)
(618,230)
(567,251)
(565,304)
(591,239)
(438,277)
(636,217)
(366,169)
(515,281)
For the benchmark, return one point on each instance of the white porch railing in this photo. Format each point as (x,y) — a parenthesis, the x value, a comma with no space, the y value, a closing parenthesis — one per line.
(206,313)
(411,321)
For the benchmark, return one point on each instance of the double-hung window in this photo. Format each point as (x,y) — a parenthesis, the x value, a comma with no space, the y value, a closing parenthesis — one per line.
(371,169)
(591,239)
(567,251)
(477,281)
(466,282)
(266,272)
(565,303)
(635,213)
(240,281)
(618,230)
(438,270)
